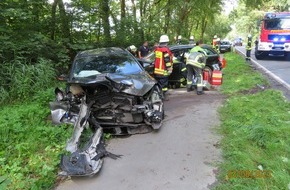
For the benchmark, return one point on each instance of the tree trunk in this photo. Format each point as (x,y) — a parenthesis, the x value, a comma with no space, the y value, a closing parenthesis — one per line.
(53,20)
(168,13)
(123,11)
(203,27)
(105,13)
(64,21)
(134,10)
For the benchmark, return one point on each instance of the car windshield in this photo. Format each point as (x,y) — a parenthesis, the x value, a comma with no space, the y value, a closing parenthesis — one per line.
(208,50)
(277,24)
(94,65)
(150,57)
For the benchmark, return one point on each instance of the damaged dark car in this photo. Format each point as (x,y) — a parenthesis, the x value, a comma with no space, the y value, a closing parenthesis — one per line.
(107,90)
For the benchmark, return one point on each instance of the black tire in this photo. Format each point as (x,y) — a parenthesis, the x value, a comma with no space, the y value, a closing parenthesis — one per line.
(184,82)
(287,56)
(260,55)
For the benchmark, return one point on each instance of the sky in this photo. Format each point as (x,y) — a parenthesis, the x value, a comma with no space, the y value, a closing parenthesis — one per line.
(229,5)
(65,1)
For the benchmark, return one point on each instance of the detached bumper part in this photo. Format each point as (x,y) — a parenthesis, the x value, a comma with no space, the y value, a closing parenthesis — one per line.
(79,164)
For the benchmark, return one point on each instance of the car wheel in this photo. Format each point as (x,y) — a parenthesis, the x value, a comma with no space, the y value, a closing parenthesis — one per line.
(177,85)
(260,55)
(287,56)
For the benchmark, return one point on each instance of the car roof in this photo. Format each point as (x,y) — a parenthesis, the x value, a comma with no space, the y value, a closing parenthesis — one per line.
(206,46)
(173,47)
(109,51)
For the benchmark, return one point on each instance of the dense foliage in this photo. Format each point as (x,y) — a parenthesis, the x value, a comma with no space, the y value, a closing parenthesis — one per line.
(30,147)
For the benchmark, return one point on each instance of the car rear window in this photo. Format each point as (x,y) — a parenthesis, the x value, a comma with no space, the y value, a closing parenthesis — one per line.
(225,43)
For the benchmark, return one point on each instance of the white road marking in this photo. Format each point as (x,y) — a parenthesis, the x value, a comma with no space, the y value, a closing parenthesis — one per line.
(271,74)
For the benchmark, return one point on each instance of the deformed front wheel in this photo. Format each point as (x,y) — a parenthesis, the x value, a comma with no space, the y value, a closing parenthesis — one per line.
(158,107)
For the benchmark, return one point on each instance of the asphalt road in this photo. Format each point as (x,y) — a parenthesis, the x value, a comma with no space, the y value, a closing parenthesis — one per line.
(181,155)
(277,67)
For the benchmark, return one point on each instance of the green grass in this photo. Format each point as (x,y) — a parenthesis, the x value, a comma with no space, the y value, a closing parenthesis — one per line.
(30,146)
(238,76)
(255,129)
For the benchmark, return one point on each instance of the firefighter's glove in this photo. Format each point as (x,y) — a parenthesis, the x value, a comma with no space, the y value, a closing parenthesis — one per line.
(169,70)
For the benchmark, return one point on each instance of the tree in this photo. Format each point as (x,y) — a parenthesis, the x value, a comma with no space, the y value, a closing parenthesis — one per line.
(105,14)
(65,29)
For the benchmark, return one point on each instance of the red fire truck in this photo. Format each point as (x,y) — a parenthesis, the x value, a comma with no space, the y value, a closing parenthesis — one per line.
(274,36)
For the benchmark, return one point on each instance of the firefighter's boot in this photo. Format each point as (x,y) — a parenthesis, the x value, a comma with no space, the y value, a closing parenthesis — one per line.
(165,96)
(189,87)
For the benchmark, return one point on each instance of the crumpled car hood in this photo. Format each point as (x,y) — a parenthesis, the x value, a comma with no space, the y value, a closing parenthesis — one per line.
(136,84)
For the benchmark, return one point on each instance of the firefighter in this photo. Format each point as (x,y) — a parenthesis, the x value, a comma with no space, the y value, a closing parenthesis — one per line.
(133,50)
(249,47)
(179,39)
(214,41)
(218,44)
(195,64)
(163,64)
(191,40)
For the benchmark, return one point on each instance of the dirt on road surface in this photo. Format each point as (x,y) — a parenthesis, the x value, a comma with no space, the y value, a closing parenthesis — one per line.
(182,155)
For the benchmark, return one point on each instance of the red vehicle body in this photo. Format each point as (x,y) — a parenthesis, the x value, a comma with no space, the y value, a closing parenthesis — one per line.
(274,36)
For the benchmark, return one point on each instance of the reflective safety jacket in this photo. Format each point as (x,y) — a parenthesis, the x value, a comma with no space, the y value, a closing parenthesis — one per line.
(163,60)
(196,59)
(249,44)
(214,43)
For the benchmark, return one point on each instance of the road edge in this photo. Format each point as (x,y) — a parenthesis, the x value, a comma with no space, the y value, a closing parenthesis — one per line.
(267,72)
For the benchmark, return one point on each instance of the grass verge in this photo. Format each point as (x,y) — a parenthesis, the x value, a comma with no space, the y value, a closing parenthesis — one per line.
(30,146)
(255,129)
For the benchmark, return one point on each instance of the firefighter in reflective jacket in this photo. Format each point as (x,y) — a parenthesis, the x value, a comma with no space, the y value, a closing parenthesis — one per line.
(163,63)
(249,47)
(194,65)
(216,43)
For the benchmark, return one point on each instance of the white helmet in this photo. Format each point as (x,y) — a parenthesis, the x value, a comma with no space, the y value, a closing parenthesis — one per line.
(215,36)
(191,37)
(133,48)
(164,39)
(249,35)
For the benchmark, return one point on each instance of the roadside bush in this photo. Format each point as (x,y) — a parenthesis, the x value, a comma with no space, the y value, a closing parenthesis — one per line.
(30,146)
(21,80)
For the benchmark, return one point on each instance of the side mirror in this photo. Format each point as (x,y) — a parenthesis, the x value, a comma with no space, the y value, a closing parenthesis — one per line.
(62,77)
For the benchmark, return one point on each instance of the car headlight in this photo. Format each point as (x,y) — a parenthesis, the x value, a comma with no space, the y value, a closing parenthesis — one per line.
(59,95)
(283,39)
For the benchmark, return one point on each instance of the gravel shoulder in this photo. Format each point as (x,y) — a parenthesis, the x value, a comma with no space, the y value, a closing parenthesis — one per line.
(181,155)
